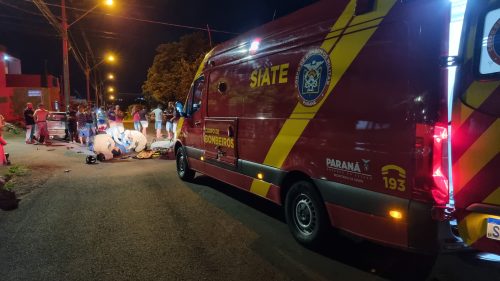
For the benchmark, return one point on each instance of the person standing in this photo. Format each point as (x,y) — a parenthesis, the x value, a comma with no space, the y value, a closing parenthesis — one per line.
(40,116)
(30,122)
(144,120)
(112,116)
(81,120)
(101,120)
(90,124)
(137,118)
(3,156)
(119,115)
(72,125)
(158,113)
(170,113)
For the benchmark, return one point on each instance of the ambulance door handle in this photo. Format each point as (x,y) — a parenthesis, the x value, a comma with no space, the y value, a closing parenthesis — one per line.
(197,123)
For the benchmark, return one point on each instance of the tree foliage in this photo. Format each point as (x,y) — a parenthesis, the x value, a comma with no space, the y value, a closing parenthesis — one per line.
(174,67)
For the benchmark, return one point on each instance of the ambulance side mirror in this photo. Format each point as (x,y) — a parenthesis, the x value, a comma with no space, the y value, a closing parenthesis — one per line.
(180,108)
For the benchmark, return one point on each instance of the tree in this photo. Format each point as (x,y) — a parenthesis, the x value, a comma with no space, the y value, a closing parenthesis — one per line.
(174,67)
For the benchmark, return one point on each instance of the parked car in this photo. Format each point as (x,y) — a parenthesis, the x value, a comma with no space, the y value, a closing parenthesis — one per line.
(56,124)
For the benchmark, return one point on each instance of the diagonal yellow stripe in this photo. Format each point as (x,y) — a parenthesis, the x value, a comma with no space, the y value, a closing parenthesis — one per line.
(339,26)
(342,56)
(178,129)
(478,155)
(465,113)
(369,24)
(476,94)
(493,198)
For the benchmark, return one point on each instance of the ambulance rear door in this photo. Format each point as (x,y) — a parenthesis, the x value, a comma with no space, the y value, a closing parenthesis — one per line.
(475,127)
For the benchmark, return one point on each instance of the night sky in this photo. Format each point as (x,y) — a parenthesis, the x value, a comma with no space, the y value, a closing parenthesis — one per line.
(29,37)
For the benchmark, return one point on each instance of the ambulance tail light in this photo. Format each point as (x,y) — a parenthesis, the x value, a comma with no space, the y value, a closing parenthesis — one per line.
(431,165)
(440,191)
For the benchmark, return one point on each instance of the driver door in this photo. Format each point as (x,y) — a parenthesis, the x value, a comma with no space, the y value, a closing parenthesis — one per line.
(194,120)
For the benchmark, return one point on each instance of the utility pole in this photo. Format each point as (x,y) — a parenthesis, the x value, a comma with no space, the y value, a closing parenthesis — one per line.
(87,78)
(66,90)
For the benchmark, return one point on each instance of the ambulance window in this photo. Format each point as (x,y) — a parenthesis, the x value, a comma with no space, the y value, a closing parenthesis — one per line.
(489,62)
(195,101)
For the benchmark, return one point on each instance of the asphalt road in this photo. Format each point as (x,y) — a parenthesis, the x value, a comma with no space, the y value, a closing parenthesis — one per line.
(134,220)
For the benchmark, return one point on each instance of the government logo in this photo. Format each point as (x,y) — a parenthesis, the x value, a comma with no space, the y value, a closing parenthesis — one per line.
(313,77)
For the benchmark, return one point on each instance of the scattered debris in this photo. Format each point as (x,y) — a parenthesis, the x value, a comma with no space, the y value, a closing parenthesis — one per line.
(91,160)
(67,171)
(145,154)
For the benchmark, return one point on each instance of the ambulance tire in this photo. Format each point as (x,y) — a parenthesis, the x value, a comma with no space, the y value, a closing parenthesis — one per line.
(305,214)
(183,170)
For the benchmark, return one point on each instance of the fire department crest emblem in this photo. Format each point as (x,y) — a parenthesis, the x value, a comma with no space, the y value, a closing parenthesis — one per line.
(313,77)
(493,44)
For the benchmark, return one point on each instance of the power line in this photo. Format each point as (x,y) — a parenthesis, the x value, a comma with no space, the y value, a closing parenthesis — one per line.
(150,21)
(47,13)
(20,9)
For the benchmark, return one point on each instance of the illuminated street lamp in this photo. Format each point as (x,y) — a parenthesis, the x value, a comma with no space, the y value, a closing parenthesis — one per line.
(64,30)
(110,58)
(111,97)
(111,76)
(111,90)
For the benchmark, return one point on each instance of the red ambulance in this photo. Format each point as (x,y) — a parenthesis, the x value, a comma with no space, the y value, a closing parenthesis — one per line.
(377,117)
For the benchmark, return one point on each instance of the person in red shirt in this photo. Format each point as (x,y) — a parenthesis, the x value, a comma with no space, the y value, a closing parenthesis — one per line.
(137,118)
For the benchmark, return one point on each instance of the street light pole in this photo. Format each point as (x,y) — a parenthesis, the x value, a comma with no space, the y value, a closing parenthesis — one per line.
(87,78)
(66,89)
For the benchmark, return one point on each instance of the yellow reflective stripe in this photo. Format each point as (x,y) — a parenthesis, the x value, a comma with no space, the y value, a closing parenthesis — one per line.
(339,26)
(478,155)
(473,227)
(202,65)
(493,198)
(370,24)
(345,17)
(335,33)
(260,187)
(476,94)
(178,129)
(284,142)
(465,113)
(329,43)
(342,56)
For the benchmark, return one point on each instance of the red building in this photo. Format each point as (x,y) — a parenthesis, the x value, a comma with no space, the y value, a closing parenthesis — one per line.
(17,89)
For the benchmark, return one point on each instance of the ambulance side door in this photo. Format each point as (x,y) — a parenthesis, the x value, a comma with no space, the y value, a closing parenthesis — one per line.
(194,121)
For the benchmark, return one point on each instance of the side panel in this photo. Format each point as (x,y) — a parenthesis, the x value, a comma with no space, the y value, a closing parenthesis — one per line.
(220,137)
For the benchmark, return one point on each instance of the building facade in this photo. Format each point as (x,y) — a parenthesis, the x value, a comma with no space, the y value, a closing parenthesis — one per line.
(17,89)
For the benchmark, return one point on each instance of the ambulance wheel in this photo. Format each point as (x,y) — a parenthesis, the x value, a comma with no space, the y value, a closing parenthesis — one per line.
(183,170)
(305,214)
